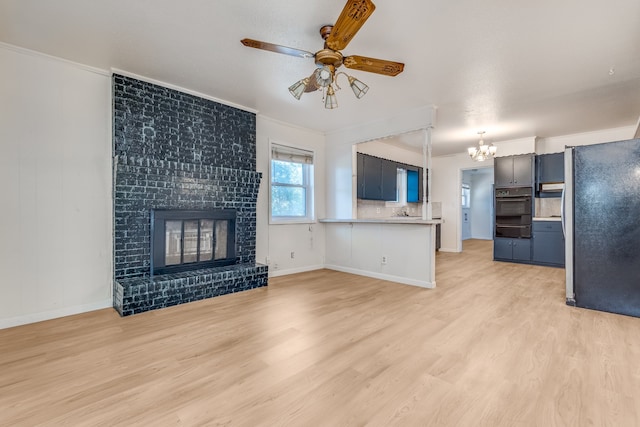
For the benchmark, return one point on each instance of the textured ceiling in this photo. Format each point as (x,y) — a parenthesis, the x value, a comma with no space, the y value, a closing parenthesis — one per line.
(514,69)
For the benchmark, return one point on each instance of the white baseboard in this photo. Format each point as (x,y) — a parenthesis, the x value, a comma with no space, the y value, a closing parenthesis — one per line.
(382,276)
(449,250)
(53,314)
(276,273)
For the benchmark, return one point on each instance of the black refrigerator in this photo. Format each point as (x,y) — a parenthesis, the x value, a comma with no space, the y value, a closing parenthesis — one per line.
(601,219)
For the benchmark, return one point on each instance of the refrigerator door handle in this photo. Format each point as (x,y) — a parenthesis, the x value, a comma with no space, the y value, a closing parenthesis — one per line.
(567,217)
(564,230)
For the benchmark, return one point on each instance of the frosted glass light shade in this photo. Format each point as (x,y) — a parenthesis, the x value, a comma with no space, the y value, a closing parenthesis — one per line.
(298,88)
(331,101)
(359,89)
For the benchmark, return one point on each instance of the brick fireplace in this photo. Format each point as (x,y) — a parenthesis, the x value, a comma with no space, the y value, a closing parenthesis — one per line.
(180,153)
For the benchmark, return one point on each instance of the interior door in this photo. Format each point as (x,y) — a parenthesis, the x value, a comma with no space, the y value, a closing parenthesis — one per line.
(466,223)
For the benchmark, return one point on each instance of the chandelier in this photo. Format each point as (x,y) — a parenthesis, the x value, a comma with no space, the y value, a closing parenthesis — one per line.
(324,79)
(482,152)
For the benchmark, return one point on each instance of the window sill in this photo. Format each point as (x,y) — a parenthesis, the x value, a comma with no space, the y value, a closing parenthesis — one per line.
(292,221)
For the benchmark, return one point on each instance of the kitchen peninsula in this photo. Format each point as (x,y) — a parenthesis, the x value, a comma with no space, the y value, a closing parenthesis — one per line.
(401,249)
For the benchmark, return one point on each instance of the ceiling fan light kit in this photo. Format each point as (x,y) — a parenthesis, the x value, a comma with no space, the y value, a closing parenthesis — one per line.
(359,89)
(482,152)
(330,101)
(298,88)
(336,37)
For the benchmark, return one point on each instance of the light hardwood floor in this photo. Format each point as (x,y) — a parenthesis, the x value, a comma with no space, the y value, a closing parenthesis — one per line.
(493,345)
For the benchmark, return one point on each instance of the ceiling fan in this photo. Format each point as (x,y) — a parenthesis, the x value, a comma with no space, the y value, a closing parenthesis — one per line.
(336,37)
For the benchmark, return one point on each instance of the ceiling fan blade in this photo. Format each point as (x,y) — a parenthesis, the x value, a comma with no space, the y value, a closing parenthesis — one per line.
(373,65)
(351,19)
(276,48)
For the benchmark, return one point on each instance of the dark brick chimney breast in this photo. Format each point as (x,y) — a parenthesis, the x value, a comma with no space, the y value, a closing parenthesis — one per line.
(174,150)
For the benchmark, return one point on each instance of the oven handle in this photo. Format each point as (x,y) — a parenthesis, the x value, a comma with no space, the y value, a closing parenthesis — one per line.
(511,226)
(522,199)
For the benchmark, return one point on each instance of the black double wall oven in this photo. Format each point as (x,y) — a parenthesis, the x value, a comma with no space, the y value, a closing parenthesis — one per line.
(513,212)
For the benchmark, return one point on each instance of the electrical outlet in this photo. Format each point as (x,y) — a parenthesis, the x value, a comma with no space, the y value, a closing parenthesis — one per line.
(384,259)
(293,255)
(275,266)
(377,210)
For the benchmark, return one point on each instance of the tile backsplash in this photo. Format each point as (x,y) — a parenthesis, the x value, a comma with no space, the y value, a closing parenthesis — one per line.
(547,207)
(378,209)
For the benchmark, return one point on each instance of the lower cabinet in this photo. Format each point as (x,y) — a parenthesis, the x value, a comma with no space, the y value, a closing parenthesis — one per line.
(505,249)
(548,243)
(546,246)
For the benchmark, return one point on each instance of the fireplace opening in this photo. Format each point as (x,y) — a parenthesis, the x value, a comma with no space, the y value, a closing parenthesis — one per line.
(183,240)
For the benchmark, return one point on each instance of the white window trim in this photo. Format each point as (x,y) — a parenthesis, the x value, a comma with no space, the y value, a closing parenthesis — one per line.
(401,190)
(309,178)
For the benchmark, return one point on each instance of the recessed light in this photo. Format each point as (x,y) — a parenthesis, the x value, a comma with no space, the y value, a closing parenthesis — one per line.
(612,71)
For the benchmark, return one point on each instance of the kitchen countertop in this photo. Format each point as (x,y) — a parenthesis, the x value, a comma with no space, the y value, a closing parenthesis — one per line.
(547,218)
(398,220)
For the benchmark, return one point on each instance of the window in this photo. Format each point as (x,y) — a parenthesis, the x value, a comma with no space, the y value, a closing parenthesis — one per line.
(401,187)
(466,196)
(291,184)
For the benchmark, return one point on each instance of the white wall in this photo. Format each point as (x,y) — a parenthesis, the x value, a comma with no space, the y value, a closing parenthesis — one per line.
(360,247)
(55,169)
(384,150)
(556,144)
(447,181)
(276,242)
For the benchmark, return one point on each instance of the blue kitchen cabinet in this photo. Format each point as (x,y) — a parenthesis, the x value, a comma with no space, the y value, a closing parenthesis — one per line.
(514,171)
(549,170)
(376,178)
(506,249)
(414,183)
(548,243)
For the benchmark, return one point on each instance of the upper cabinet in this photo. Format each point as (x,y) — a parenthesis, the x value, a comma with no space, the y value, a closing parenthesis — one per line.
(414,184)
(514,171)
(377,178)
(389,180)
(550,168)
(549,175)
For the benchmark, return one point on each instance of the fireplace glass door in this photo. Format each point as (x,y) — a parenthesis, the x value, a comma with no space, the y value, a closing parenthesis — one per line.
(183,240)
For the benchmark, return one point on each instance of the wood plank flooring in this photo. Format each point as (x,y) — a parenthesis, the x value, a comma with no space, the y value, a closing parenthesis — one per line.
(493,345)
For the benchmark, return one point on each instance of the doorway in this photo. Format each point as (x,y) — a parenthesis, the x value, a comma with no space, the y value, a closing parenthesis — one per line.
(476,204)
